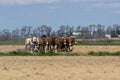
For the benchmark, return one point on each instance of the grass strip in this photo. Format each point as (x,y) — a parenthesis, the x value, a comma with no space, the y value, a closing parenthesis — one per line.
(17,53)
(92,53)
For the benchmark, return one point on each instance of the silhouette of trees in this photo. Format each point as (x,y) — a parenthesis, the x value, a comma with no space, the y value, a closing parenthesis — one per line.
(85,32)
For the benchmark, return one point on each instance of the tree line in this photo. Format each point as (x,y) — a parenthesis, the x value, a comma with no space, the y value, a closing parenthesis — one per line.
(83,32)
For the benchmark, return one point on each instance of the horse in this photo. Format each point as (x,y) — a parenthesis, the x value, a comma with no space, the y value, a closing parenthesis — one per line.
(28,43)
(51,42)
(31,43)
(72,41)
(42,44)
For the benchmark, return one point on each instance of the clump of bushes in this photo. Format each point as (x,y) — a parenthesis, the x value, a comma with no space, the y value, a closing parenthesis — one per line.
(92,53)
(18,53)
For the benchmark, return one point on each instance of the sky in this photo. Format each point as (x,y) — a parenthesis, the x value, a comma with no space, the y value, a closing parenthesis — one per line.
(17,13)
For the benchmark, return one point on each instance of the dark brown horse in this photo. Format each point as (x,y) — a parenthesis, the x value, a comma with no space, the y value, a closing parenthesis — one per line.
(51,43)
(65,43)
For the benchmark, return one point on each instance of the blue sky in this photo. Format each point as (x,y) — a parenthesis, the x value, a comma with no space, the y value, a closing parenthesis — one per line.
(17,13)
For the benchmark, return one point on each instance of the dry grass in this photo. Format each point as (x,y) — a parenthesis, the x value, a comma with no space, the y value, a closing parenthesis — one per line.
(84,49)
(9,48)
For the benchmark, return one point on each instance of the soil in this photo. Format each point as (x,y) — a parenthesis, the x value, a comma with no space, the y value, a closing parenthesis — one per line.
(59,68)
(77,49)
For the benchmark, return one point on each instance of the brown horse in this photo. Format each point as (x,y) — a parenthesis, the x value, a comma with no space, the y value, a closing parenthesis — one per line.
(51,42)
(60,42)
(72,42)
(66,44)
(42,44)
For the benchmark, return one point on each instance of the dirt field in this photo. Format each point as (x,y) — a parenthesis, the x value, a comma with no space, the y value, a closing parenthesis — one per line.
(60,68)
(77,49)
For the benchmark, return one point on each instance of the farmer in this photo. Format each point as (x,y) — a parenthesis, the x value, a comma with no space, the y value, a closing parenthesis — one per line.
(34,44)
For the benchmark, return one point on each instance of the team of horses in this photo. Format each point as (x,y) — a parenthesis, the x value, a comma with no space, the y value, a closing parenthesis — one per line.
(53,43)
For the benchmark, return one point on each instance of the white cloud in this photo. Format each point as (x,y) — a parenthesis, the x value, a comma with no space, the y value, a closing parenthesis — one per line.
(96,3)
(26,1)
(93,1)
(107,5)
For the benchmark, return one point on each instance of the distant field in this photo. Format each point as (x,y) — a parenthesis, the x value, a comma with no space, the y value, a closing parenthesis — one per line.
(98,42)
(10,42)
(80,42)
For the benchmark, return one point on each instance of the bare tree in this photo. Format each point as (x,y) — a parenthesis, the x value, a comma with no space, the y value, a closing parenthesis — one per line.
(26,31)
(69,30)
(78,29)
(48,30)
(15,34)
(53,33)
(43,29)
(100,31)
(6,34)
(61,31)
(84,32)
(109,30)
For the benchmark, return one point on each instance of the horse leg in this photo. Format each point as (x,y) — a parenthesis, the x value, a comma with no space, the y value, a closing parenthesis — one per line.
(25,46)
(53,48)
(47,47)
